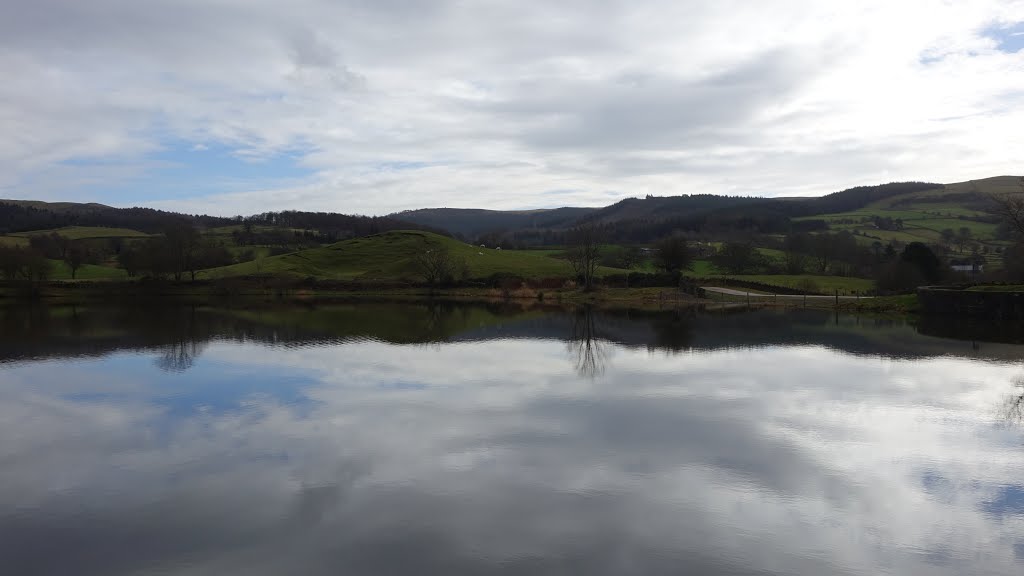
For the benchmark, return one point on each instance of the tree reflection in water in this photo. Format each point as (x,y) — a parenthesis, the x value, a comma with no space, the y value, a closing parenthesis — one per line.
(1013,406)
(588,351)
(187,339)
(180,356)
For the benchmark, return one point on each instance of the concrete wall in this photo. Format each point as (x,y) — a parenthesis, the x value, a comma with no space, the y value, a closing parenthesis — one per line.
(996,306)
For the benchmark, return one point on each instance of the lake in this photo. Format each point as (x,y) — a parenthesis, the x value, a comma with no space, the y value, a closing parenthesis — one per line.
(376,438)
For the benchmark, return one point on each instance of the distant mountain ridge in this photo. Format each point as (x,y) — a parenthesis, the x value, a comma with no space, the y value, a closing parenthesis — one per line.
(32,215)
(642,219)
(632,220)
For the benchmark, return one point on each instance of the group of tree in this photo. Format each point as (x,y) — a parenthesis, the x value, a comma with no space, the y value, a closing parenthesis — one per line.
(288,240)
(585,251)
(917,265)
(330,227)
(180,251)
(887,223)
(960,238)
(74,253)
(19,263)
(672,254)
(738,258)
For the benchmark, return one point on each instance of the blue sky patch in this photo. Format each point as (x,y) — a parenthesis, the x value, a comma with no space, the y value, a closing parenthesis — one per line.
(211,169)
(1009,39)
(190,170)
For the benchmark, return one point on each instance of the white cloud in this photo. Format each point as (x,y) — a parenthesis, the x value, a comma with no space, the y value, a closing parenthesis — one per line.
(507,100)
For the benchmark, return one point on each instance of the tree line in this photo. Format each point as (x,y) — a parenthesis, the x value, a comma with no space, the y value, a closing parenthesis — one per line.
(26,218)
(179,252)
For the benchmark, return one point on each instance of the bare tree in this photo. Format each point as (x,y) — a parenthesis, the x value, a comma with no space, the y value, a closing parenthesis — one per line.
(963,238)
(948,236)
(584,253)
(1010,207)
(75,256)
(183,242)
(437,266)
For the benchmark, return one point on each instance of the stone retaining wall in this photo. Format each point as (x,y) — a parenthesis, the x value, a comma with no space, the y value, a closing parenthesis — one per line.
(996,306)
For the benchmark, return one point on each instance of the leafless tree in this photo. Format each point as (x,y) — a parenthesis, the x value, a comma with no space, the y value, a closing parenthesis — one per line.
(437,265)
(1010,207)
(75,256)
(963,238)
(584,252)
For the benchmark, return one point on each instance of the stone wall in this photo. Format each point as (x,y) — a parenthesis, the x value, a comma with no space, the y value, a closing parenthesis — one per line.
(995,306)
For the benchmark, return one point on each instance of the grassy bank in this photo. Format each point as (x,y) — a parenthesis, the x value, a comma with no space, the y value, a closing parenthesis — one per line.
(286,290)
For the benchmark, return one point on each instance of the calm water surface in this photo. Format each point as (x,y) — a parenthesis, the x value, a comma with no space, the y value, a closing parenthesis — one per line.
(415,439)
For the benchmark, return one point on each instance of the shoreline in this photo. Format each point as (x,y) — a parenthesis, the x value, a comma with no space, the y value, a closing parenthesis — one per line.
(208,292)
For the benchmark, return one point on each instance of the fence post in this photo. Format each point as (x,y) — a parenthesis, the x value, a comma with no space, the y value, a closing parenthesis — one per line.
(837,297)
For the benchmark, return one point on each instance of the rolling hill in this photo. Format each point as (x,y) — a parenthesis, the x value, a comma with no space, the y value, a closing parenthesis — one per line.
(384,248)
(925,209)
(390,256)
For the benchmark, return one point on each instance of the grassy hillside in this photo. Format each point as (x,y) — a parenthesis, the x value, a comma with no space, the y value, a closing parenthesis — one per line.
(13,241)
(926,213)
(390,256)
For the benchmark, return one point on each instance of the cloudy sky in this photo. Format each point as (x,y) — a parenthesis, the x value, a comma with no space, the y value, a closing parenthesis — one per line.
(374,106)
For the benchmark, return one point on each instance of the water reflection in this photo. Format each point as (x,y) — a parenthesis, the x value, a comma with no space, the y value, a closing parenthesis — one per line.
(588,351)
(328,440)
(182,333)
(1013,407)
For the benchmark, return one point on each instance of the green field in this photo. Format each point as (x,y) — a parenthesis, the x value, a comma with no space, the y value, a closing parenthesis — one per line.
(926,213)
(391,256)
(60,271)
(701,269)
(84,232)
(13,241)
(998,288)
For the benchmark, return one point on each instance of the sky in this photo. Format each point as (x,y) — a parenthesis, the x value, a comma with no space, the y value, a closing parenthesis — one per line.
(375,106)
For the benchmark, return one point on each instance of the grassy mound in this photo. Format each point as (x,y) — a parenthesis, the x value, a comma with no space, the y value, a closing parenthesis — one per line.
(390,256)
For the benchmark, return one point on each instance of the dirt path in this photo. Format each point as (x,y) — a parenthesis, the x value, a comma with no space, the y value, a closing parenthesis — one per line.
(734,292)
